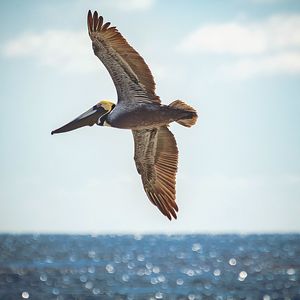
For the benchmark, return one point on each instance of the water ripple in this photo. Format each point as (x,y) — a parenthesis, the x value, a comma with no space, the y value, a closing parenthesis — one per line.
(150,267)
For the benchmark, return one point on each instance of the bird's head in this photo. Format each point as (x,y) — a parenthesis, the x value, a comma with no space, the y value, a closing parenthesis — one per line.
(96,115)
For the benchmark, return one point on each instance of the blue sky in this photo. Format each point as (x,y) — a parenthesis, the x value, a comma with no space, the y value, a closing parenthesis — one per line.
(237,62)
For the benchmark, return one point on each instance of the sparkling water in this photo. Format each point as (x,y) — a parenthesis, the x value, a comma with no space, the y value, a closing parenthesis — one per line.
(150,267)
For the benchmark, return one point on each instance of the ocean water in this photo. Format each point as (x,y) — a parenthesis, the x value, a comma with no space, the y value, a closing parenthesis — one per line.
(150,267)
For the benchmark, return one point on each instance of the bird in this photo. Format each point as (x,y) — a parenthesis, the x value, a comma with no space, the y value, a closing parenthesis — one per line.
(140,110)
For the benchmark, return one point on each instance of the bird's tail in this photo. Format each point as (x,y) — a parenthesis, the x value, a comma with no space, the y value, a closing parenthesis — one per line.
(190,117)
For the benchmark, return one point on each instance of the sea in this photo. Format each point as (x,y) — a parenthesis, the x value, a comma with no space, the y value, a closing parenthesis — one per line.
(65,267)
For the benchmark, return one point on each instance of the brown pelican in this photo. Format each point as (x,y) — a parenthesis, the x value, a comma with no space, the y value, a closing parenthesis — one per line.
(138,109)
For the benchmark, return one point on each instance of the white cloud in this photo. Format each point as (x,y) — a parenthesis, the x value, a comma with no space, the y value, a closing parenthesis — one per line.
(271,46)
(287,63)
(221,181)
(218,181)
(273,34)
(267,1)
(68,50)
(132,5)
(225,38)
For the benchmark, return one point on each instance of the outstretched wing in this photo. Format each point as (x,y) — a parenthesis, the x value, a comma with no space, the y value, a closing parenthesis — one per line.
(156,159)
(130,74)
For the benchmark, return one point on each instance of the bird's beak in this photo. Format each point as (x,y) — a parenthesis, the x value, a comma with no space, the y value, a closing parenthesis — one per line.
(89,118)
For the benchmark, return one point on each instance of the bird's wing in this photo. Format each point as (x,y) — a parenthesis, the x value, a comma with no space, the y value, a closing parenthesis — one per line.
(156,159)
(131,75)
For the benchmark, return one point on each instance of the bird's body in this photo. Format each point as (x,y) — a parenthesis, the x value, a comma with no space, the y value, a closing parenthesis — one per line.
(143,115)
(138,109)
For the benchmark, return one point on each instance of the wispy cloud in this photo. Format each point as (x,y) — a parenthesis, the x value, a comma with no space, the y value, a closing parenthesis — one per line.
(270,46)
(268,1)
(275,33)
(68,50)
(286,62)
(132,5)
(230,38)
(220,181)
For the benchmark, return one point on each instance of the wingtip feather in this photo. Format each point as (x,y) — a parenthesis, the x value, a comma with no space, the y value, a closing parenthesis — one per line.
(105,26)
(90,21)
(100,23)
(95,20)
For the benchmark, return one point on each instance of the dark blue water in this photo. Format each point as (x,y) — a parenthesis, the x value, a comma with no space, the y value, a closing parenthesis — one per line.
(150,267)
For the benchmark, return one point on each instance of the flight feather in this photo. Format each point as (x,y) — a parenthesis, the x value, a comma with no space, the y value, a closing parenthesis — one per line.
(156,158)
(131,75)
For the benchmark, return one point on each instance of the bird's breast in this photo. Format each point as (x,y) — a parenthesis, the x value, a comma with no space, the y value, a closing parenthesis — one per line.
(139,116)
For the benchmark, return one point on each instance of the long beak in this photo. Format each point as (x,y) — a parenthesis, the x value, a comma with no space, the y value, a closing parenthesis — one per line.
(89,118)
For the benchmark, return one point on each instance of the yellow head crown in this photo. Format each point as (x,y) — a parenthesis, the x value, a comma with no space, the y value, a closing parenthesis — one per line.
(107,105)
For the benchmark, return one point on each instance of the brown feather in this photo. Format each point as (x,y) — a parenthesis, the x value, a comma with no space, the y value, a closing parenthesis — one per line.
(100,23)
(167,192)
(156,158)
(90,21)
(105,26)
(162,205)
(119,57)
(95,20)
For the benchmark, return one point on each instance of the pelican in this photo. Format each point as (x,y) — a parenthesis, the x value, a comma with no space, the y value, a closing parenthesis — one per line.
(139,109)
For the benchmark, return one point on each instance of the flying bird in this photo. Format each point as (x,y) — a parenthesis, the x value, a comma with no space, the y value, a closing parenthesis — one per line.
(139,109)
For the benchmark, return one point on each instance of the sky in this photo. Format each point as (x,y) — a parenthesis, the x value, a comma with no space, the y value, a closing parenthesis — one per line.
(237,62)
